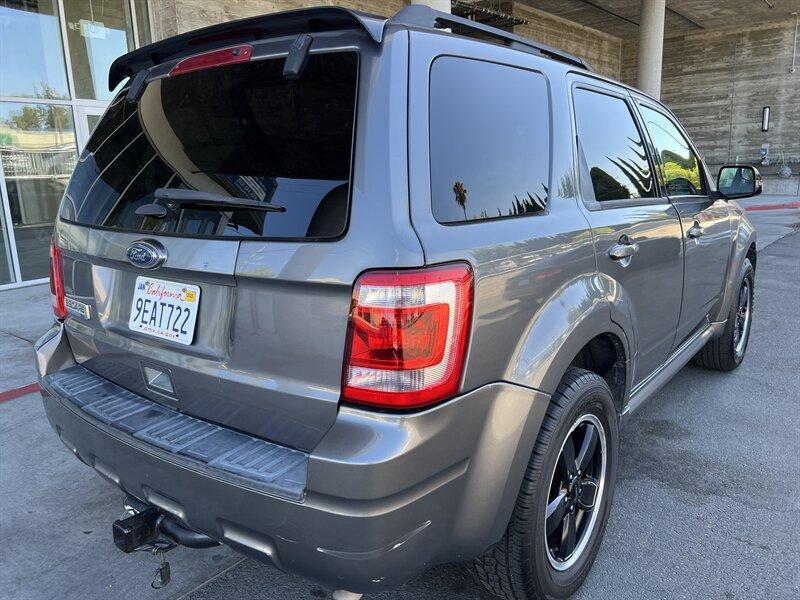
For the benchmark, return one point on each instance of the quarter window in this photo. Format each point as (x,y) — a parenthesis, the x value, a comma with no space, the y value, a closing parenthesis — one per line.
(489,140)
(611,149)
(680,169)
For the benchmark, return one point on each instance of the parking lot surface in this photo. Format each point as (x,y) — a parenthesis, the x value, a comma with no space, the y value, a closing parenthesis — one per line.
(706,503)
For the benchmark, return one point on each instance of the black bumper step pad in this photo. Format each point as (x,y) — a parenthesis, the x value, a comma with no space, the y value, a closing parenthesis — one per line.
(274,468)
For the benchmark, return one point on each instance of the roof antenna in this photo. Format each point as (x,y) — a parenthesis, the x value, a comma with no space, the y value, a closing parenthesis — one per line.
(298,56)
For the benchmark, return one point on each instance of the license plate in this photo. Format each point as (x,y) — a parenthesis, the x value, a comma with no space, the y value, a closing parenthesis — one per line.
(164,309)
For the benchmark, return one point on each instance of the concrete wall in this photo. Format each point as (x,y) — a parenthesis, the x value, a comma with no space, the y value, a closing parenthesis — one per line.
(718,81)
(602,50)
(179,16)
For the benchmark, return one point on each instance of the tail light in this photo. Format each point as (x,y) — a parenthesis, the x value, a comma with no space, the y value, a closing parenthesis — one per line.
(215,58)
(57,282)
(407,336)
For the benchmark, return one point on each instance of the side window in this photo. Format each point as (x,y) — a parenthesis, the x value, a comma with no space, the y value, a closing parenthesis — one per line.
(611,148)
(489,140)
(680,169)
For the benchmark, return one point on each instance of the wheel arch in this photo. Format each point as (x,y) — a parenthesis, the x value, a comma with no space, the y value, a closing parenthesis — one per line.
(743,246)
(574,328)
(605,354)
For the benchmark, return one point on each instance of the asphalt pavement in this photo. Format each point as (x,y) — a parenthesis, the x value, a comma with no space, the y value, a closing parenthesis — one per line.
(706,503)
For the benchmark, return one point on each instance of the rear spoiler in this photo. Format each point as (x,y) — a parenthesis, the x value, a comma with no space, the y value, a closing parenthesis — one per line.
(294,22)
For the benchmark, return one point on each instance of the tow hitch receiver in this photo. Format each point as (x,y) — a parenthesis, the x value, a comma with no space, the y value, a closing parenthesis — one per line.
(147,530)
(138,530)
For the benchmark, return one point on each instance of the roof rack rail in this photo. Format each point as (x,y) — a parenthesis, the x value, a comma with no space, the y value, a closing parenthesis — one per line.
(419,15)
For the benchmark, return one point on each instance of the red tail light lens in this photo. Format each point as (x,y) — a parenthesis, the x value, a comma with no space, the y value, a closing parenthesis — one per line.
(407,336)
(57,282)
(215,58)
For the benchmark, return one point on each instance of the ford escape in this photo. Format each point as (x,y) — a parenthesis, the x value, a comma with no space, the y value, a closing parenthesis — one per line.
(357,296)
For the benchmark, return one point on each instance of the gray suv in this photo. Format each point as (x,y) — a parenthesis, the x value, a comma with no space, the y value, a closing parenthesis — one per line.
(358,296)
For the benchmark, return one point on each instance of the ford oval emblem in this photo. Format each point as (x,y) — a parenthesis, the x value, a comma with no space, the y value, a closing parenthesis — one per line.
(146,254)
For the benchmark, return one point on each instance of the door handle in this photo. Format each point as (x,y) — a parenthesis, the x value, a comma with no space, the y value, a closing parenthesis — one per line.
(695,231)
(623,249)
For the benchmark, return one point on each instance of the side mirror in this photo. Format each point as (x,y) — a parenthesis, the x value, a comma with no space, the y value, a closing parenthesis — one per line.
(739,181)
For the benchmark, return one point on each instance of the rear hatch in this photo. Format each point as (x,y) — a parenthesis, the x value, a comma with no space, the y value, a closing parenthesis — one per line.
(203,233)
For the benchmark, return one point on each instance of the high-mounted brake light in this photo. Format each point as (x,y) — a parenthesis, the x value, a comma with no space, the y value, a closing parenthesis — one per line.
(57,282)
(407,336)
(215,58)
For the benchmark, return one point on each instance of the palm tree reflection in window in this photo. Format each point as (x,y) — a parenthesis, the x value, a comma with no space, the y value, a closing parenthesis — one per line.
(607,187)
(530,203)
(461,196)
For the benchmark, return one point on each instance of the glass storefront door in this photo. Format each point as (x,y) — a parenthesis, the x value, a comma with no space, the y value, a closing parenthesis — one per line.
(38,154)
(54,61)
(98,31)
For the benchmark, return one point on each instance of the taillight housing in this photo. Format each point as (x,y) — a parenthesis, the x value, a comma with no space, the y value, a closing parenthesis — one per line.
(407,336)
(57,282)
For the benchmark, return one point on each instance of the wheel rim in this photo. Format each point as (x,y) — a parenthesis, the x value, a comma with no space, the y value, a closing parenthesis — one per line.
(576,492)
(741,330)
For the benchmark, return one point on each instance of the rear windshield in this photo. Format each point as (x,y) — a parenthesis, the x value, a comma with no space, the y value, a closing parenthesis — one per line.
(241,131)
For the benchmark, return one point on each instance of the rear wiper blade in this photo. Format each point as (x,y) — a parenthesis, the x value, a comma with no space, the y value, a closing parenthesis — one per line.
(199,198)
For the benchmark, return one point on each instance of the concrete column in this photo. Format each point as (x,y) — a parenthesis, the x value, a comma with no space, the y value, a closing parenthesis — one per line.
(440,5)
(651,47)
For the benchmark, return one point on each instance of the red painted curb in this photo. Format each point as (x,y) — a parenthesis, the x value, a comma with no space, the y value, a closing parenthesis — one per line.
(782,206)
(20,391)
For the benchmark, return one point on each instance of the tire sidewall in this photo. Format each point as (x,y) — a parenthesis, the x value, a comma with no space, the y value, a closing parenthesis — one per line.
(748,272)
(594,399)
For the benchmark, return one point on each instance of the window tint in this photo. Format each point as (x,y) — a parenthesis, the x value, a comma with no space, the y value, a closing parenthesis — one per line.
(680,169)
(243,131)
(489,140)
(612,152)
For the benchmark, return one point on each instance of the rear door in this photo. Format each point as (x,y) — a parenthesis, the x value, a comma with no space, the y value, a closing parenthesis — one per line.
(705,222)
(637,232)
(240,317)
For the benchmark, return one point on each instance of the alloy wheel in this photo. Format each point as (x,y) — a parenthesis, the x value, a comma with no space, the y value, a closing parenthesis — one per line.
(576,491)
(741,330)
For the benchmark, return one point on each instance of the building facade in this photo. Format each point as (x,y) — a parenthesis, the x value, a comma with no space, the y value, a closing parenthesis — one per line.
(717,75)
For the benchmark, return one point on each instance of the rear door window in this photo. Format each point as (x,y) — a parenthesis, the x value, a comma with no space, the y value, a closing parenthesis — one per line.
(489,140)
(610,148)
(242,131)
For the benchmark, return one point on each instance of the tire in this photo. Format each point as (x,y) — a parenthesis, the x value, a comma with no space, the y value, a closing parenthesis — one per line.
(522,565)
(726,352)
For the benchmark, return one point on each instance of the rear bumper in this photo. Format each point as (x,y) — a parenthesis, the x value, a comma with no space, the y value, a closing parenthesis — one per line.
(385,496)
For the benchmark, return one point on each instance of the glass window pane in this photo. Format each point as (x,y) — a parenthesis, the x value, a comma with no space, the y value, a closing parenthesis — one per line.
(489,140)
(39,71)
(612,152)
(38,152)
(680,169)
(142,22)
(98,33)
(92,121)
(6,268)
